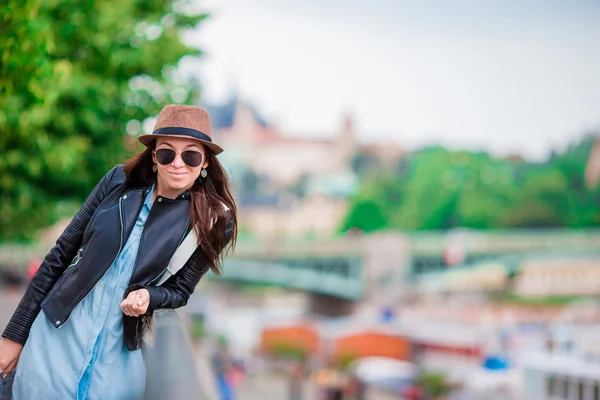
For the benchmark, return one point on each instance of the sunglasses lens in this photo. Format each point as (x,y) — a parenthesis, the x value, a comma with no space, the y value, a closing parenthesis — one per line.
(165,156)
(192,158)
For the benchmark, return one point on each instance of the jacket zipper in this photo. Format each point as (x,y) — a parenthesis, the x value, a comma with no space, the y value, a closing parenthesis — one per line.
(76,258)
(117,255)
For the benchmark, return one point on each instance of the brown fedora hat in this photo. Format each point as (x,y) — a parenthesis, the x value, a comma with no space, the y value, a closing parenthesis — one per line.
(176,120)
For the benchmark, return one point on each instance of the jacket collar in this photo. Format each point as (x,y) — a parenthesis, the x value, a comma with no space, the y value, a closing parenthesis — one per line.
(183,196)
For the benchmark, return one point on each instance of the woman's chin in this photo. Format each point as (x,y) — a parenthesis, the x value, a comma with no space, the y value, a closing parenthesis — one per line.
(177,184)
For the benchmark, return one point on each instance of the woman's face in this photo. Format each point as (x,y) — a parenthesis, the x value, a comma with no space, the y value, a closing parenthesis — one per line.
(179,162)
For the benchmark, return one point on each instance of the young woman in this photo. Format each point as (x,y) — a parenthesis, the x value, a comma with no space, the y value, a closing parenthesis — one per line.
(96,286)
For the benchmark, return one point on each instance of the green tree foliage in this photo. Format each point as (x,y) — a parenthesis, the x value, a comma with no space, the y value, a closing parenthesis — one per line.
(444,189)
(367,215)
(73,76)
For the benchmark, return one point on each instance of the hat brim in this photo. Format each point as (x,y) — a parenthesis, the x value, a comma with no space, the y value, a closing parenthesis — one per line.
(147,140)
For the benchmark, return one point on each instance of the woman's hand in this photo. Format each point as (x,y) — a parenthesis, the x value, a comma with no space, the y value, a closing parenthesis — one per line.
(136,303)
(9,355)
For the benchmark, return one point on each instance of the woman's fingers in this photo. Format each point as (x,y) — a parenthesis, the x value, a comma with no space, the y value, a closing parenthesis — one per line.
(140,304)
(10,351)
(124,307)
(140,300)
(9,368)
(136,303)
(127,304)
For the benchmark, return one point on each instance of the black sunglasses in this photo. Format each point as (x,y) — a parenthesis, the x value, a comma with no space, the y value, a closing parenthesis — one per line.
(190,157)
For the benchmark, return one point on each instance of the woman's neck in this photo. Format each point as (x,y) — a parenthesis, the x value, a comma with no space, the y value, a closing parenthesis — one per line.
(165,191)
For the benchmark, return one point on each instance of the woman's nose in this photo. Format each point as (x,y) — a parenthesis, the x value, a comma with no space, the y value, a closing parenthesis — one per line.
(178,161)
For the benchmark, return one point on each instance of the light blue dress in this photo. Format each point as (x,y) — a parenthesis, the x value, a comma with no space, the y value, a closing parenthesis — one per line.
(87,358)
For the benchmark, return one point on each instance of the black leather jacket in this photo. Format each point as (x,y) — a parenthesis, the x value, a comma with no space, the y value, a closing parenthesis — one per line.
(89,245)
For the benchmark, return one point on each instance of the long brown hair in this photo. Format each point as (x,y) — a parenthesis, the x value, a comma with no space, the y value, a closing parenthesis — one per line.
(206,198)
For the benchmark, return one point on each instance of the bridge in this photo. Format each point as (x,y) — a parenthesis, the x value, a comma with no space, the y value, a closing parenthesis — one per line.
(388,266)
(338,276)
(336,273)
(432,251)
(380,265)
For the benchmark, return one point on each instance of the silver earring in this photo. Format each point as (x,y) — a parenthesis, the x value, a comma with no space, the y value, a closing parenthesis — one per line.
(203,173)
(154,169)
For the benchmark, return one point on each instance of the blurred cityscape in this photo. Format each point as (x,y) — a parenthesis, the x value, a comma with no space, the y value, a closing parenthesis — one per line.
(365,268)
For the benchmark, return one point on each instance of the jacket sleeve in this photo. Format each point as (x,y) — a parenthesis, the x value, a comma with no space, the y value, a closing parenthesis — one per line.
(55,263)
(176,291)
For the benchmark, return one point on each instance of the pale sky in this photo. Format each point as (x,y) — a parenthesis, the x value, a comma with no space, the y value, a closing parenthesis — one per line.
(504,76)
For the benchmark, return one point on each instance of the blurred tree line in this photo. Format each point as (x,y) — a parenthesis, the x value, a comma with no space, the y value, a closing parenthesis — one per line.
(436,188)
(76,77)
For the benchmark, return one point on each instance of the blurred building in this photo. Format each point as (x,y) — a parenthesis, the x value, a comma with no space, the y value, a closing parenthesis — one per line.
(291,186)
(592,168)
